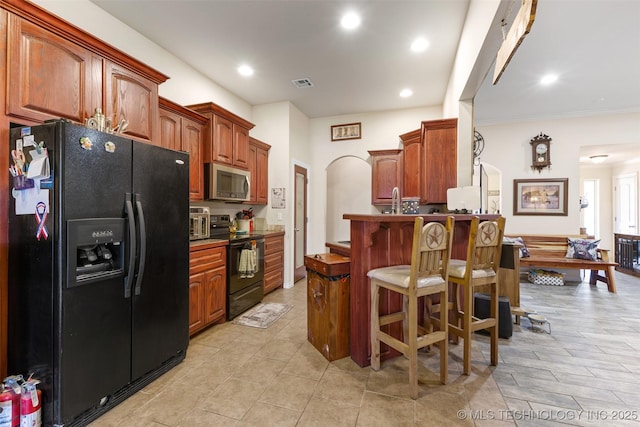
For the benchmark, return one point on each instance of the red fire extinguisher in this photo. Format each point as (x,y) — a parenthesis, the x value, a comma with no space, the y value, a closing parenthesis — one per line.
(12,388)
(30,404)
(6,402)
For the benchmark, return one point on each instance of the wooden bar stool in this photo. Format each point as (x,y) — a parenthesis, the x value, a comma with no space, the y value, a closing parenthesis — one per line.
(480,268)
(427,275)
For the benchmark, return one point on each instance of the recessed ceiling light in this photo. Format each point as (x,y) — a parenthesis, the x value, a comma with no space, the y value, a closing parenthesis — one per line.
(245,70)
(548,79)
(405,93)
(419,45)
(350,21)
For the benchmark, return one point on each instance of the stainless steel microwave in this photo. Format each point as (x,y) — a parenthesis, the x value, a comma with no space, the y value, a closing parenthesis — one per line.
(226,183)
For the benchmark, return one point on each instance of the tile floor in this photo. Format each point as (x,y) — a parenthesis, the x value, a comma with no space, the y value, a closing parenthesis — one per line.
(586,372)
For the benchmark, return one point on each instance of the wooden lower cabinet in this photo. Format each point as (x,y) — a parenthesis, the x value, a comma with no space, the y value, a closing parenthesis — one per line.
(273,262)
(207,287)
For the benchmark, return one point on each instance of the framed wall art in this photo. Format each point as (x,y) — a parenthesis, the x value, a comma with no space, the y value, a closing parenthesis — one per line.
(540,196)
(347,131)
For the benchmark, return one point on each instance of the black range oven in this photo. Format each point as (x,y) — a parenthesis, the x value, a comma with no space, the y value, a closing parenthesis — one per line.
(245,266)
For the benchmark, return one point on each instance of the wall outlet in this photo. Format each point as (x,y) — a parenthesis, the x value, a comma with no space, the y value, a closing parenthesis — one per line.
(279,216)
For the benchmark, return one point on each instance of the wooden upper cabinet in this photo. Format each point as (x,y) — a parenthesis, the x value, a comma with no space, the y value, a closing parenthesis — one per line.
(440,141)
(227,136)
(386,173)
(240,146)
(412,163)
(430,160)
(170,129)
(258,160)
(222,147)
(192,136)
(183,129)
(134,98)
(49,76)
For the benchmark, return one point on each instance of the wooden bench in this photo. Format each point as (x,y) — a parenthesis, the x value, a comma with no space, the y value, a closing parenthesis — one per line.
(550,251)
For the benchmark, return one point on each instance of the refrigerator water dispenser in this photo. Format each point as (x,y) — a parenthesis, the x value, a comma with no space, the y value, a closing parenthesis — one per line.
(95,250)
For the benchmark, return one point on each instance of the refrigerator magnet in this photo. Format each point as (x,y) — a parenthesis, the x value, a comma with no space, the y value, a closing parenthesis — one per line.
(109,147)
(86,143)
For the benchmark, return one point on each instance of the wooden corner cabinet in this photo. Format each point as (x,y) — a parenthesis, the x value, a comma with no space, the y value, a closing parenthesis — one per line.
(226,136)
(386,173)
(430,160)
(259,168)
(183,129)
(273,262)
(207,286)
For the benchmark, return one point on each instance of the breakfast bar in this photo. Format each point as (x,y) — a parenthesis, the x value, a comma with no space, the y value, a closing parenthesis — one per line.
(380,241)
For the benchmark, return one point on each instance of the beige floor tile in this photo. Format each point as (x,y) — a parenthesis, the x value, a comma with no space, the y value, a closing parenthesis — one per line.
(202,418)
(307,362)
(341,386)
(254,377)
(264,414)
(231,399)
(381,410)
(289,392)
(324,413)
(259,370)
(279,350)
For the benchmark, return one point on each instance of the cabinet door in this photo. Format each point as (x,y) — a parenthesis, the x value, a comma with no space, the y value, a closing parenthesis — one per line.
(134,98)
(262,172)
(440,159)
(192,140)
(215,294)
(412,164)
(253,162)
(386,173)
(49,76)
(222,140)
(170,129)
(196,302)
(240,147)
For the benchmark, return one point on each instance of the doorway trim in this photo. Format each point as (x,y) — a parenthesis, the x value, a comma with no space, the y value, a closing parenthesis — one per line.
(300,220)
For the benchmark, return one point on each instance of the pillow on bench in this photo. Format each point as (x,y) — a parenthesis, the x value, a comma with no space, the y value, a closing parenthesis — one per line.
(524,252)
(582,248)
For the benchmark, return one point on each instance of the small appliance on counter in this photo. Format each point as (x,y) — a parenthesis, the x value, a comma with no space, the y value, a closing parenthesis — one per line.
(199,222)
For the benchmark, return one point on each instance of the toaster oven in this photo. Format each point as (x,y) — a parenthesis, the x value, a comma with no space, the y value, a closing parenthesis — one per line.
(199,222)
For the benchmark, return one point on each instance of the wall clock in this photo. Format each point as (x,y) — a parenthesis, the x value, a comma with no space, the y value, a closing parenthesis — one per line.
(478,146)
(540,152)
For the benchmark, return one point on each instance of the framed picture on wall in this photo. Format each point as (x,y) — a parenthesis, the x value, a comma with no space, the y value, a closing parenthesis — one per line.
(347,131)
(540,196)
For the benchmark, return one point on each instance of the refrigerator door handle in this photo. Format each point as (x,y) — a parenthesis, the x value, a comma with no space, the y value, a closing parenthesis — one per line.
(143,245)
(132,246)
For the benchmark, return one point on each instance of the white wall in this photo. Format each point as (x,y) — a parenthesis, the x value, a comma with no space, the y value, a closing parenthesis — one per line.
(507,147)
(380,130)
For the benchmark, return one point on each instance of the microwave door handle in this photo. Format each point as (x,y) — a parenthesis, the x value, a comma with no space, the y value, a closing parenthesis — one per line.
(247,184)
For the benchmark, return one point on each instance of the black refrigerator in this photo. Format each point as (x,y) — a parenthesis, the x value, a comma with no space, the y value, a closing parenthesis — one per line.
(98,266)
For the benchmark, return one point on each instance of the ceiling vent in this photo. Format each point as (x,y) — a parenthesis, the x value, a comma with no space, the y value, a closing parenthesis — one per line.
(300,83)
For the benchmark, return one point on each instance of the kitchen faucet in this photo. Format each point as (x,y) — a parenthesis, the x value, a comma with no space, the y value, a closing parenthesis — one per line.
(395,201)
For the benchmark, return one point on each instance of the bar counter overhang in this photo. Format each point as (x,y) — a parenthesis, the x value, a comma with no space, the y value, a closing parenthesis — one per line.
(380,241)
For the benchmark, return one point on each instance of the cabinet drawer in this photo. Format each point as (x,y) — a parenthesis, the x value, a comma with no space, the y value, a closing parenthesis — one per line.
(206,259)
(273,261)
(273,279)
(273,244)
